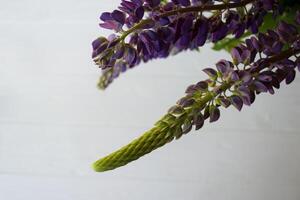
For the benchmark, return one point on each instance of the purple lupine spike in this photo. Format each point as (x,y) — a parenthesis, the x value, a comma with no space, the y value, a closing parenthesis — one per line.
(159,34)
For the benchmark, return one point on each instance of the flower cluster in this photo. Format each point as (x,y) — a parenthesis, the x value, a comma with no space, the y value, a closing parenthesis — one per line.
(259,65)
(149,29)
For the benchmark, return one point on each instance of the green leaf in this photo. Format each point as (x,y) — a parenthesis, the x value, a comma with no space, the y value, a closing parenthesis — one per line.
(229,42)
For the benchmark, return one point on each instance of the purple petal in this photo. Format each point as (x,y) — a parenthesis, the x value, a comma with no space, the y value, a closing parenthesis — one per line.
(234,76)
(297,62)
(130,55)
(214,114)
(118,16)
(153,3)
(187,25)
(237,102)
(210,72)
(139,13)
(224,66)
(202,86)
(245,95)
(220,33)
(105,16)
(246,77)
(176,110)
(260,87)
(198,121)
(98,42)
(224,102)
(264,78)
(164,21)
(184,2)
(191,89)
(290,76)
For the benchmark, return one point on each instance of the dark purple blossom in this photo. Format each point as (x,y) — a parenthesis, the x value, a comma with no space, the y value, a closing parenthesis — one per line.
(214,114)
(153,33)
(237,102)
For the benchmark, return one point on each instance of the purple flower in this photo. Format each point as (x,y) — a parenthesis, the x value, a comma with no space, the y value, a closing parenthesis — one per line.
(240,54)
(290,76)
(214,114)
(260,87)
(224,66)
(237,102)
(153,3)
(210,72)
(286,31)
(184,2)
(220,32)
(198,120)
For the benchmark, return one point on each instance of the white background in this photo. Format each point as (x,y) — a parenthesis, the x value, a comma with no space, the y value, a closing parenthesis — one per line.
(54,122)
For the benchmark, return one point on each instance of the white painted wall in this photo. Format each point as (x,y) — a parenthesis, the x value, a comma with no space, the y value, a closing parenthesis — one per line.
(54,122)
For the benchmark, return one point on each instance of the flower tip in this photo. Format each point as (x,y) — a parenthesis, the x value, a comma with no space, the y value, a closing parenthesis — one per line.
(98,168)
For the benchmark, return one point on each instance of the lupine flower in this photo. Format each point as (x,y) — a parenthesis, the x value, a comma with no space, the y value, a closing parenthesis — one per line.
(259,64)
(155,32)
